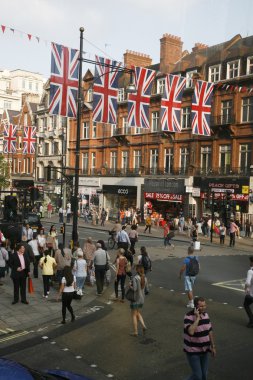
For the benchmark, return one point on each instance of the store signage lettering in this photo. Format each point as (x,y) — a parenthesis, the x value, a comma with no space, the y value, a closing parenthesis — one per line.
(123,191)
(164,196)
(224,185)
(223,196)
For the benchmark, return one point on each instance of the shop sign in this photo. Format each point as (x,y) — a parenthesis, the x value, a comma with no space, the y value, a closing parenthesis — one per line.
(170,185)
(238,185)
(196,192)
(120,190)
(88,182)
(222,195)
(164,197)
(245,189)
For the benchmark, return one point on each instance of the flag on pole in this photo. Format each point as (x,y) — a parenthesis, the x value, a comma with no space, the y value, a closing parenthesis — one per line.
(138,104)
(10,138)
(64,81)
(105,90)
(201,108)
(171,103)
(29,140)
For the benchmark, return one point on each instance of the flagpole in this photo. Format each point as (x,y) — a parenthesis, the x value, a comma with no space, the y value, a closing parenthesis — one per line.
(78,127)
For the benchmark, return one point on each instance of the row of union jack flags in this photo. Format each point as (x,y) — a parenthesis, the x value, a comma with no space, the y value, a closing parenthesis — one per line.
(10,139)
(64,89)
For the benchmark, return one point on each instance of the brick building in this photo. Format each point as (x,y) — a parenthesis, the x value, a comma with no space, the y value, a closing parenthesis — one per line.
(174,172)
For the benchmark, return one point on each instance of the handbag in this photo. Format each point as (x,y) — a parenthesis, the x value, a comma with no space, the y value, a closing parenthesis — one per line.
(30,286)
(131,295)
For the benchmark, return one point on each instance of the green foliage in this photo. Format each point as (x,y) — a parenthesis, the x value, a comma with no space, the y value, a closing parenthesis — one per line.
(4,173)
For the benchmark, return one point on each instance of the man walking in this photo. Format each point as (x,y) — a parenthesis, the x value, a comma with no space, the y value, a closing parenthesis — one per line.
(122,239)
(248,300)
(190,268)
(20,270)
(198,339)
(100,259)
(232,231)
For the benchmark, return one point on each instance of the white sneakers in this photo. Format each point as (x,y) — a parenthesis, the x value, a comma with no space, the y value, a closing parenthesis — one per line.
(190,304)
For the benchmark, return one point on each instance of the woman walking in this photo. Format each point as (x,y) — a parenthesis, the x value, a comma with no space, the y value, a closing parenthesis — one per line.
(138,285)
(80,271)
(52,239)
(67,289)
(48,266)
(133,236)
(121,263)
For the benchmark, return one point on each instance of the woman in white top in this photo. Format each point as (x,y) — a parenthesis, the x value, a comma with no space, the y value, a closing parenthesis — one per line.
(35,247)
(48,265)
(80,271)
(67,289)
(41,241)
(4,257)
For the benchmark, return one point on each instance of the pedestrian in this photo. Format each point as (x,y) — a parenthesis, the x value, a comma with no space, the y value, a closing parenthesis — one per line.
(4,257)
(41,241)
(148,223)
(248,300)
(233,229)
(68,285)
(41,210)
(28,249)
(122,239)
(198,339)
(20,270)
(146,262)
(138,284)
(121,264)
(28,232)
(80,271)
(62,258)
(168,236)
(222,233)
(89,249)
(190,269)
(48,266)
(103,217)
(133,236)
(68,213)
(61,215)
(36,254)
(247,228)
(49,210)
(52,238)
(100,259)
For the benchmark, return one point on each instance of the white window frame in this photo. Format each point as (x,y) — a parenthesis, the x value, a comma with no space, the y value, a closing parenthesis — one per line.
(7,105)
(93,162)
(125,128)
(155,119)
(246,150)
(89,95)
(113,129)
(137,159)
(226,151)
(168,156)
(249,109)
(205,151)
(185,117)
(249,69)
(233,66)
(153,160)
(94,130)
(121,94)
(160,86)
(189,78)
(125,160)
(226,111)
(85,162)
(86,130)
(214,74)
(184,158)
(113,161)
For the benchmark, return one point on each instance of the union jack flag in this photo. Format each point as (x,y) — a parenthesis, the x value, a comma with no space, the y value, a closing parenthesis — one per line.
(201,108)
(10,138)
(171,103)
(138,104)
(29,140)
(63,81)
(105,90)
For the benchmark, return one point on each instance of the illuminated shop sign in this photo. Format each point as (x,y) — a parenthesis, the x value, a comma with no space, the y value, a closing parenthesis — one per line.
(164,197)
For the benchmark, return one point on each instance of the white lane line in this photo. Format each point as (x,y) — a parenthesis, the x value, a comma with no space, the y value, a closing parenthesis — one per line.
(14,336)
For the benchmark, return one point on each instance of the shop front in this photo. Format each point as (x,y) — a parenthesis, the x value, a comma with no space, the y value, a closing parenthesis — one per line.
(225,197)
(164,197)
(89,191)
(117,197)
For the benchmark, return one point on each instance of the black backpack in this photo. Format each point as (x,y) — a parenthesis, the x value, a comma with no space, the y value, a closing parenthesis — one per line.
(146,262)
(193,267)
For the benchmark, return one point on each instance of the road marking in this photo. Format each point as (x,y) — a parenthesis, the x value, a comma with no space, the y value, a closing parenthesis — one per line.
(14,336)
(233,285)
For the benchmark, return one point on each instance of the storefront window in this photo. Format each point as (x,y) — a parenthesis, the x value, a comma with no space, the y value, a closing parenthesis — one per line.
(168,160)
(225,159)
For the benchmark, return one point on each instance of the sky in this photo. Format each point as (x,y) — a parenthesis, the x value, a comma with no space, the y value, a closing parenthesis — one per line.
(113,26)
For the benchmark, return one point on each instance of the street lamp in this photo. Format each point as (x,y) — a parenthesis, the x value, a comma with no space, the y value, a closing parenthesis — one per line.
(130,89)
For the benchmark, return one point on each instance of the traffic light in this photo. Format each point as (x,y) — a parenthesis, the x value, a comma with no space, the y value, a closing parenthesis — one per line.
(62,229)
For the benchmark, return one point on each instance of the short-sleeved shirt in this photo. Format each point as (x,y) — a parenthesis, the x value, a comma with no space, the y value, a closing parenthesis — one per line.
(249,281)
(48,267)
(68,289)
(187,262)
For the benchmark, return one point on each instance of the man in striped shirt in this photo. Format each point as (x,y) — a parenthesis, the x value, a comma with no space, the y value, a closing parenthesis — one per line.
(198,339)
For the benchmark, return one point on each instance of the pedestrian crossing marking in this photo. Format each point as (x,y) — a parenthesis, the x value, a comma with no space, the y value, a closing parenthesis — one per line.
(237,285)
(6,338)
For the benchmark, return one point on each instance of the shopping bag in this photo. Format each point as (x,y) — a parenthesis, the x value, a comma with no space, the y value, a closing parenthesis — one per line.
(30,286)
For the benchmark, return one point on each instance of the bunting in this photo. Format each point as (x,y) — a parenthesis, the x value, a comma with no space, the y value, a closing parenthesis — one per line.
(171,103)
(29,140)
(201,108)
(105,90)
(10,138)
(138,104)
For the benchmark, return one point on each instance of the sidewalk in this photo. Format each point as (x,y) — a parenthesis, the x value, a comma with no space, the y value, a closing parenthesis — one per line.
(241,243)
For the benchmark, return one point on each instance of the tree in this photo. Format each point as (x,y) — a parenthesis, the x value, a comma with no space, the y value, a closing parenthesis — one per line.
(4,173)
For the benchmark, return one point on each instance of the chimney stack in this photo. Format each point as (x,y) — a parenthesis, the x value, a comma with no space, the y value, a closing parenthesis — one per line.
(133,58)
(170,51)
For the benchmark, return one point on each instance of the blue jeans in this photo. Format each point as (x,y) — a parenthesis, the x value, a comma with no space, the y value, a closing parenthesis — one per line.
(80,282)
(199,366)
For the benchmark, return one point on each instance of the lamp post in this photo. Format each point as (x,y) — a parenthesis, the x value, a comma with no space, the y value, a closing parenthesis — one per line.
(78,127)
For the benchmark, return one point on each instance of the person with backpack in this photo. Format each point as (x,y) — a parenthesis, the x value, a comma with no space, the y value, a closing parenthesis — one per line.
(190,268)
(145,261)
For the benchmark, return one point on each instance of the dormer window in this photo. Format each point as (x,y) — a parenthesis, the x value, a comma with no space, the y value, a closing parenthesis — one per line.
(214,73)
(189,75)
(160,86)
(249,69)
(121,94)
(233,69)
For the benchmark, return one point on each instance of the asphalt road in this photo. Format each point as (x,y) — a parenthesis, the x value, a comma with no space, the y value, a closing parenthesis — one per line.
(99,345)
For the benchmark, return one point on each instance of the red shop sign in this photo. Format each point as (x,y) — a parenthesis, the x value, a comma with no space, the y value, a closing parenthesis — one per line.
(164,197)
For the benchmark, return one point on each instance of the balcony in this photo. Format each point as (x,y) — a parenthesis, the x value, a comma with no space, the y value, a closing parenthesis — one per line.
(120,136)
(224,171)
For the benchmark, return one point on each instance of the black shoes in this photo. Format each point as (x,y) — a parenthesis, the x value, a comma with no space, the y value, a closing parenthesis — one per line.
(25,302)
(14,302)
